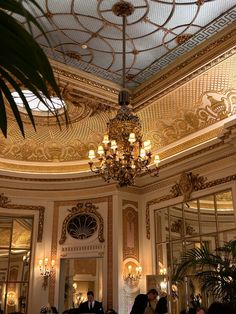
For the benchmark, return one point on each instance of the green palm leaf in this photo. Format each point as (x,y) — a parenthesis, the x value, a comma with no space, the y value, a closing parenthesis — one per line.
(215,271)
(22,62)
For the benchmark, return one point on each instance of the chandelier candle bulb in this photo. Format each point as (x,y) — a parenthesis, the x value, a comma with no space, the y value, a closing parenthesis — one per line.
(113,144)
(147,145)
(91,154)
(157,159)
(100,150)
(105,139)
(132,138)
(142,153)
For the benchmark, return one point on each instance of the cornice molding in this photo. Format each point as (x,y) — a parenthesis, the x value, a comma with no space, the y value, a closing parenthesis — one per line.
(101,89)
(206,55)
(171,195)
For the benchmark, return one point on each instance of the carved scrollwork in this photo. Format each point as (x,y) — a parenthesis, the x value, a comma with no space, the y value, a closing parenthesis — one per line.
(6,203)
(82,222)
(188,183)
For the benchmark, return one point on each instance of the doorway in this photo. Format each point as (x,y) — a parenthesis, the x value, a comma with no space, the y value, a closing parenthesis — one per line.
(77,277)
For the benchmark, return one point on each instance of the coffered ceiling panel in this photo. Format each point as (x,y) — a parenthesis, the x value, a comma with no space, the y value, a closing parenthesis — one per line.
(87,35)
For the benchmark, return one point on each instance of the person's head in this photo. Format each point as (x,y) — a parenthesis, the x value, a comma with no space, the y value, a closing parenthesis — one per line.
(152,294)
(216,308)
(201,310)
(90,296)
(219,308)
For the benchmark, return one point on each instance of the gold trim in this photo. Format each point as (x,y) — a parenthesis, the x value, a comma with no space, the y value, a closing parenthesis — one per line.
(128,202)
(201,186)
(188,183)
(6,203)
(130,216)
(208,54)
(54,245)
(78,209)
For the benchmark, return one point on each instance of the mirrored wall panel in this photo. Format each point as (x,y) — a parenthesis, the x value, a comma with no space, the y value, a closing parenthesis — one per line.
(15,254)
(77,277)
(208,221)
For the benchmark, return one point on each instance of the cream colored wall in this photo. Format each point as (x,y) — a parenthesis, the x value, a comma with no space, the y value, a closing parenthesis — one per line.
(217,164)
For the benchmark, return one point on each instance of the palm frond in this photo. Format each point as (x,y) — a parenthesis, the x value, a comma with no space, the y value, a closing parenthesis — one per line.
(216,272)
(22,62)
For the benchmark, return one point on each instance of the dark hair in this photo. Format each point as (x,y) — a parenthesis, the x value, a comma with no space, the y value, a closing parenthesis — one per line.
(111,311)
(153,291)
(218,308)
(90,293)
(201,308)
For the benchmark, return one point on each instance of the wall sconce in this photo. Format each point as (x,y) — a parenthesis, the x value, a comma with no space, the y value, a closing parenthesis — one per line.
(46,270)
(26,259)
(162,271)
(132,274)
(163,283)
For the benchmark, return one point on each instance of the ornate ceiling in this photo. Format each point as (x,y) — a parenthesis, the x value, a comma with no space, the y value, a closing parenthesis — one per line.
(87,34)
(182,90)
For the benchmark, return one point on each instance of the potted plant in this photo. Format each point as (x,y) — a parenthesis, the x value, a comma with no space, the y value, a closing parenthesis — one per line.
(216,271)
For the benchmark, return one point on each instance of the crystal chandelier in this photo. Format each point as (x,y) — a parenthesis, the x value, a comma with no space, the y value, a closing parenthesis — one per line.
(123,155)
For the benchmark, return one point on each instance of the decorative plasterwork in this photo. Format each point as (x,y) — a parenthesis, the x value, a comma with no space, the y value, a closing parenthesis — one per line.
(182,112)
(221,47)
(130,233)
(215,107)
(6,203)
(84,32)
(109,244)
(187,184)
(83,208)
(178,227)
(201,186)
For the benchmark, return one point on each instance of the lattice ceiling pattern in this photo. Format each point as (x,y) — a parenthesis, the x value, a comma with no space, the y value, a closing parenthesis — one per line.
(87,35)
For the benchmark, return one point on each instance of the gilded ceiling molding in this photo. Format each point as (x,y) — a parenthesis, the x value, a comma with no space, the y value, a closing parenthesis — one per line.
(91,85)
(188,185)
(79,106)
(213,107)
(6,203)
(206,57)
(83,208)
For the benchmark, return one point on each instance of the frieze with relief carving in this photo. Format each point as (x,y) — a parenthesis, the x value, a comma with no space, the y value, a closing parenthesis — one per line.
(82,222)
(213,107)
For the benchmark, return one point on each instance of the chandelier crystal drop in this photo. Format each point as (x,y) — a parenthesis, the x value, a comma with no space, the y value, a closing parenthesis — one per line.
(123,155)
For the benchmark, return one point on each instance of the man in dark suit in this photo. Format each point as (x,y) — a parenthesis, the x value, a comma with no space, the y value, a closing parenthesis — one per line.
(143,301)
(90,306)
